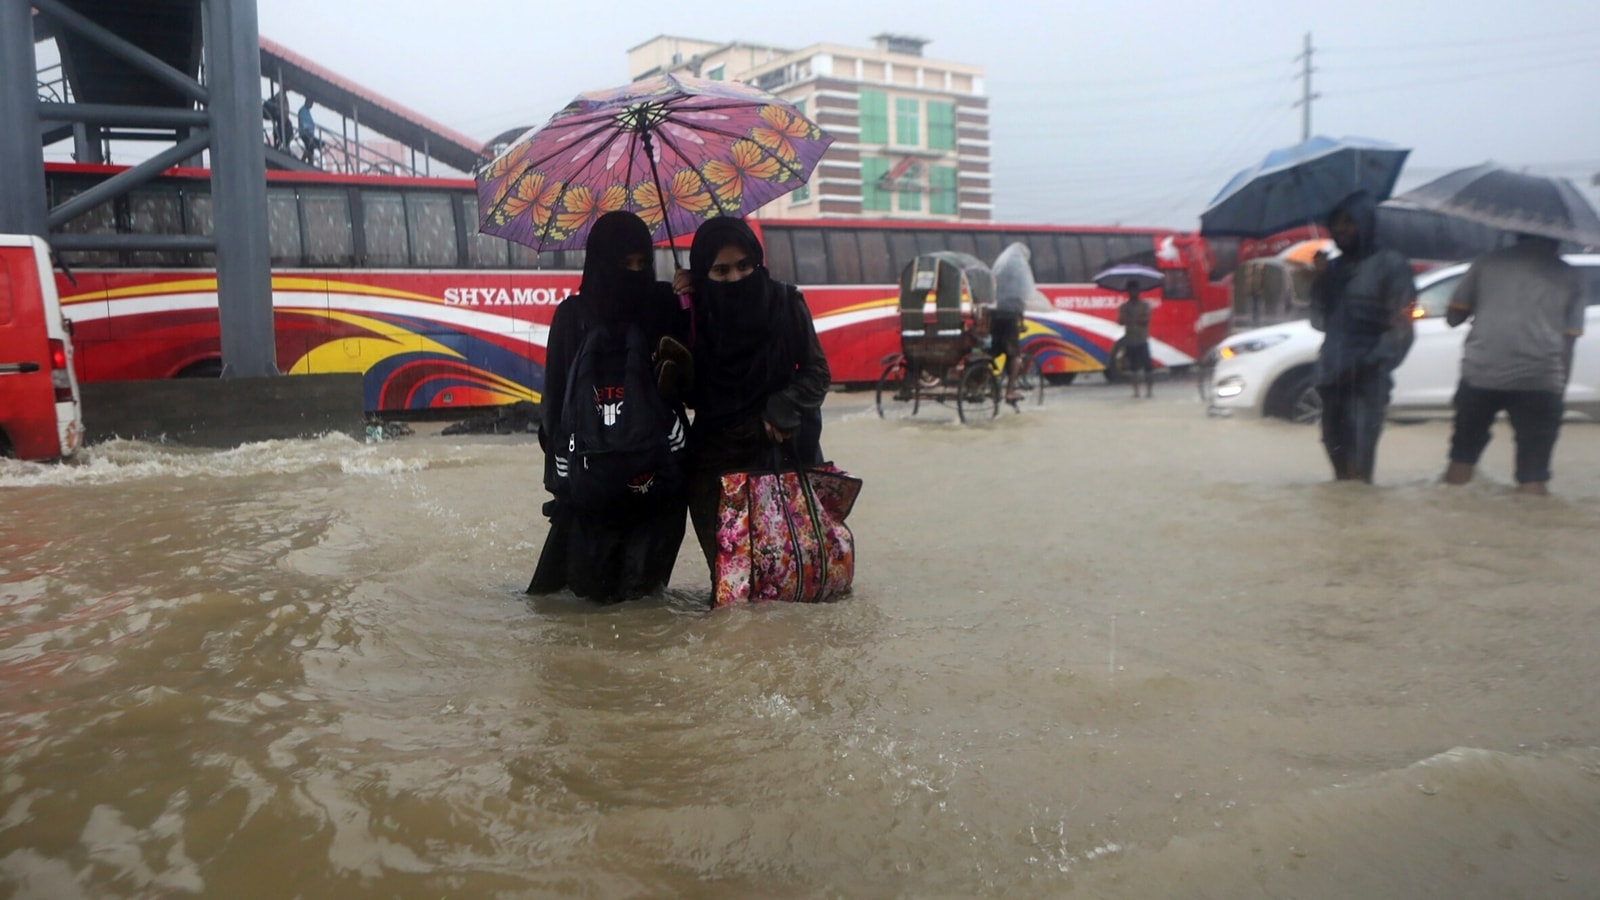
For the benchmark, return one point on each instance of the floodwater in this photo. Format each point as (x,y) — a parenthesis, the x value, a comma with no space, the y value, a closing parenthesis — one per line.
(1104,648)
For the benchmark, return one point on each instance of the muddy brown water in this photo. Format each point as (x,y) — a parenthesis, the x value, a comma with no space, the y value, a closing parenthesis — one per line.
(1104,648)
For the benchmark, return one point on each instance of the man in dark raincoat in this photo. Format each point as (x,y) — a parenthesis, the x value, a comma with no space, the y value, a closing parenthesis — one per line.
(1362,301)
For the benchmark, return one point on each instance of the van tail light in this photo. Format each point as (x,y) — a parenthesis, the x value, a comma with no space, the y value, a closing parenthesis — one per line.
(60,378)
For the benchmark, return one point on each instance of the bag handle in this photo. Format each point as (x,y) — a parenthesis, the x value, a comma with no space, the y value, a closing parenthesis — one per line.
(814,511)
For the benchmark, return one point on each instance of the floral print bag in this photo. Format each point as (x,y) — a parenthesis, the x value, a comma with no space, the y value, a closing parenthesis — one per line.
(781,535)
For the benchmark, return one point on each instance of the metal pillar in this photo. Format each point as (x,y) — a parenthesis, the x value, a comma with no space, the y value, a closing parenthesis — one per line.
(23,205)
(239,188)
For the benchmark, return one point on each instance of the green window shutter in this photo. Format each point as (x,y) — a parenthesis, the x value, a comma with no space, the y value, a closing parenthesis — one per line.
(803,192)
(873,197)
(874,107)
(942,183)
(907,122)
(910,201)
(941,125)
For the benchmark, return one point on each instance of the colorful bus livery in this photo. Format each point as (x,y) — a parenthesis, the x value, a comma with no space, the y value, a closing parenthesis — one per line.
(422,339)
(848,270)
(388,277)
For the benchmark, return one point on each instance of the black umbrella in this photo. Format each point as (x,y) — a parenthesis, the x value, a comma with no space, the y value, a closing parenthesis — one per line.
(1513,201)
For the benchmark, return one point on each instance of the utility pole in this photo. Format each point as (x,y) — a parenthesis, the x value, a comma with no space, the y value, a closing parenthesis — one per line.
(1306,96)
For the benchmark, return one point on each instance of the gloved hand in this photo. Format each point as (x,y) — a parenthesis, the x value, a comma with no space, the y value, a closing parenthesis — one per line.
(674,368)
(551,508)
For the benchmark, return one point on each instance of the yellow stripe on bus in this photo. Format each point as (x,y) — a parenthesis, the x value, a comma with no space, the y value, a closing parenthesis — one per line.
(279,283)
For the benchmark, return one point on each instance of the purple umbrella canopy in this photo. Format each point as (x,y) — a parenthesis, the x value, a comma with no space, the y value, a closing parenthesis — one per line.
(675,150)
(1130,277)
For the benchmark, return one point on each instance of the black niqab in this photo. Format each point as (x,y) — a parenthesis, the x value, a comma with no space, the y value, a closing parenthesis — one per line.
(742,352)
(606,284)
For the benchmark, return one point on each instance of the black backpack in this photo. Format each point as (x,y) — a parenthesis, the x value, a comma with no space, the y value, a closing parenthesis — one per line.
(621,443)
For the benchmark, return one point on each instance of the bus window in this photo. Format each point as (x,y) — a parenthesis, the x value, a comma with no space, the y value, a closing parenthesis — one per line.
(1073,270)
(325,220)
(810,257)
(155,211)
(962,242)
(1177,286)
(932,241)
(1046,263)
(283,227)
(431,224)
(902,250)
(779,253)
(197,219)
(844,260)
(1095,255)
(484,251)
(523,256)
(100,220)
(1122,248)
(876,266)
(990,245)
(383,220)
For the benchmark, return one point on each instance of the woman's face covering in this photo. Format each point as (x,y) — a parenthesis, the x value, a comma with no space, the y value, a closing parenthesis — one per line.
(636,262)
(733,263)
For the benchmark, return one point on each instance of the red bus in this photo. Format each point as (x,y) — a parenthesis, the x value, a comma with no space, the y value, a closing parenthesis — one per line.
(388,276)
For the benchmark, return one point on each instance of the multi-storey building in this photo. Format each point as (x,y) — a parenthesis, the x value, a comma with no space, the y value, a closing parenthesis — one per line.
(911,133)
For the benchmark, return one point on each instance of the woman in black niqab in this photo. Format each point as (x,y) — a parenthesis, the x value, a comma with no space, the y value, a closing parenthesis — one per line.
(606,557)
(760,376)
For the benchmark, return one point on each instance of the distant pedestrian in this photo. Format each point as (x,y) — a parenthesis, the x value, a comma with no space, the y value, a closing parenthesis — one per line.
(1362,302)
(1134,317)
(309,142)
(272,111)
(1527,307)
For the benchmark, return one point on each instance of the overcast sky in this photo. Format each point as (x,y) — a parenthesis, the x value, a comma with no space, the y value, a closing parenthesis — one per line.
(1135,111)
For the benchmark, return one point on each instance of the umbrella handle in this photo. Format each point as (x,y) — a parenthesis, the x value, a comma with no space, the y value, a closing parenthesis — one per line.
(661,196)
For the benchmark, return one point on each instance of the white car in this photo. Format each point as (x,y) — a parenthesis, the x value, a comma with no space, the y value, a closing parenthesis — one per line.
(1268,370)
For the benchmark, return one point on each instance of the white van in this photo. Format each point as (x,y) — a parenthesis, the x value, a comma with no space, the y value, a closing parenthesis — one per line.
(1268,370)
(39,406)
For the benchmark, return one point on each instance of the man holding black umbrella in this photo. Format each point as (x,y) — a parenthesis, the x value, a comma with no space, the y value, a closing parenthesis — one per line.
(1362,302)
(1527,309)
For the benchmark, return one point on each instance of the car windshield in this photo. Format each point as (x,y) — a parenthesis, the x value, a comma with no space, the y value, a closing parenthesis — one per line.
(1433,299)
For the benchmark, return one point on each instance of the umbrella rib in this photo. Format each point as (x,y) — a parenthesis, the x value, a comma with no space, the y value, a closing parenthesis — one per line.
(793,171)
(704,184)
(600,127)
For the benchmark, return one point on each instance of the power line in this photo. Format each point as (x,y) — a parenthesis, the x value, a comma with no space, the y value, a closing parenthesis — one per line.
(1414,46)
(1372,89)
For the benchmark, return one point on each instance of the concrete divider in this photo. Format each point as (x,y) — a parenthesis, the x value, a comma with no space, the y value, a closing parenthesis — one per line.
(223,412)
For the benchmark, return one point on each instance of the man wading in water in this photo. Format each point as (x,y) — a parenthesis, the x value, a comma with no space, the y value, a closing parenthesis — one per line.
(1362,302)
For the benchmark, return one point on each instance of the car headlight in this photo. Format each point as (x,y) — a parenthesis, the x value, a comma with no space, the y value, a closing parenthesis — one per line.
(1253,345)
(1232,386)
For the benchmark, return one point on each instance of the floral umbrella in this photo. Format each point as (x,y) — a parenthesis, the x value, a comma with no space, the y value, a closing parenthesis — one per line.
(674,150)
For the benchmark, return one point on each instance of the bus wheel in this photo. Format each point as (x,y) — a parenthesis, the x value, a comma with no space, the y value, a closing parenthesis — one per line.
(1060,379)
(1115,372)
(205,368)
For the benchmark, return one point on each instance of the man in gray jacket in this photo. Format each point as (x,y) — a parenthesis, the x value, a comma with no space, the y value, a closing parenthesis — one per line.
(1362,302)
(1527,309)
(1013,285)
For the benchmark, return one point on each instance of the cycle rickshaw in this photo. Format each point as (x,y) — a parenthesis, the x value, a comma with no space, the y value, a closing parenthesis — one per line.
(946,299)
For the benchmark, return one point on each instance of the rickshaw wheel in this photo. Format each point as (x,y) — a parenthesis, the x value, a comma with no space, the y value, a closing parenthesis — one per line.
(979,389)
(892,383)
(1030,378)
